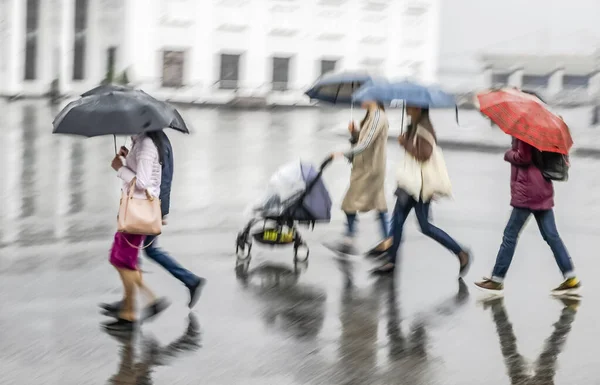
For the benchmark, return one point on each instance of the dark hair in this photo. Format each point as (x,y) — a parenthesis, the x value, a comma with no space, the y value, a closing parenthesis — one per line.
(157,139)
(423,120)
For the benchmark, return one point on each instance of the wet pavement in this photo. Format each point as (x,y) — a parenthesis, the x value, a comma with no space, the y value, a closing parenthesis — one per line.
(270,322)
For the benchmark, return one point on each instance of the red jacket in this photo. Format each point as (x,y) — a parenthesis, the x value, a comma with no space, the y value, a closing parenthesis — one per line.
(528,187)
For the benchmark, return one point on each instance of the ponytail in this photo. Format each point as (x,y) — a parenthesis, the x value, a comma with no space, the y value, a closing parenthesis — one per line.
(156,137)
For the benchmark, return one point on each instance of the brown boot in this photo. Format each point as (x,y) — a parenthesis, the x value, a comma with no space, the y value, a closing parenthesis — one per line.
(465,259)
(490,287)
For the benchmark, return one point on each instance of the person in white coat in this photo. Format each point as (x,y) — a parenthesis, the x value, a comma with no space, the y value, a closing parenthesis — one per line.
(422,177)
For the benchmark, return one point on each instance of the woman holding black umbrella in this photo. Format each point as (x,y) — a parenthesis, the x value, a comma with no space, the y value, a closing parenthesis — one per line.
(143,164)
(110,110)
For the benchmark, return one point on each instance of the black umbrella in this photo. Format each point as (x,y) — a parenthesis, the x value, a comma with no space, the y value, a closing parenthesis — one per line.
(177,124)
(117,113)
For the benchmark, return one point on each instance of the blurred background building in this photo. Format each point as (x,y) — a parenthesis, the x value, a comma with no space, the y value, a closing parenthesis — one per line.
(560,79)
(550,47)
(212,50)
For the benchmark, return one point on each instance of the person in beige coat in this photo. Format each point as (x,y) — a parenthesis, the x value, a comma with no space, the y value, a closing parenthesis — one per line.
(368,157)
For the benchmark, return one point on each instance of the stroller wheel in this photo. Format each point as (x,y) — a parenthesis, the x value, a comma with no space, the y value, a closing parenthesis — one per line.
(243,253)
(242,247)
(241,270)
(301,253)
(300,266)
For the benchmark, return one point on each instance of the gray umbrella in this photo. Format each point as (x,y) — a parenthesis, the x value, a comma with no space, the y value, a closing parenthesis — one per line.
(177,123)
(116,113)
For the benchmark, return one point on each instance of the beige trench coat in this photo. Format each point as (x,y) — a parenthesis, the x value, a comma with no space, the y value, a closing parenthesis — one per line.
(367,190)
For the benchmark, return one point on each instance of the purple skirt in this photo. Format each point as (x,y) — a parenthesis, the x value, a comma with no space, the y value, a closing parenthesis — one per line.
(123,255)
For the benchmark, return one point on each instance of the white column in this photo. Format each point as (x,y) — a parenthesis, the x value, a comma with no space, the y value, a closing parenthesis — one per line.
(305,61)
(555,83)
(203,56)
(95,58)
(140,50)
(594,84)
(487,76)
(55,26)
(16,47)
(515,79)
(352,56)
(432,43)
(48,27)
(4,39)
(254,61)
(394,40)
(66,41)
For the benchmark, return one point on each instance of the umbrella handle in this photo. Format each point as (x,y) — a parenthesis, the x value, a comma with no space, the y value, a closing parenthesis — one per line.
(402,122)
(115,140)
(456,111)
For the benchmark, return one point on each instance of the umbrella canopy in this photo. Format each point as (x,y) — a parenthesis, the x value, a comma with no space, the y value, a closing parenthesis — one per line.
(404,93)
(177,124)
(116,113)
(337,88)
(527,118)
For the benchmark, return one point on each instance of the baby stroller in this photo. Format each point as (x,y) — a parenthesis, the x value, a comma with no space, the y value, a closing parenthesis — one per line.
(296,195)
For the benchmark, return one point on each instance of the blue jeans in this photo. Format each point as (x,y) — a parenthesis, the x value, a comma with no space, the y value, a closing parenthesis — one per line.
(165,260)
(351,224)
(547,225)
(404,204)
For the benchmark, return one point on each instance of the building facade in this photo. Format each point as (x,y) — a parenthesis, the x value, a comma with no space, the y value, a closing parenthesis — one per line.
(212,50)
(561,79)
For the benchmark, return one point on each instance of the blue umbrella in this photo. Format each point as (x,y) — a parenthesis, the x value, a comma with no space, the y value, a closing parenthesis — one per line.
(405,93)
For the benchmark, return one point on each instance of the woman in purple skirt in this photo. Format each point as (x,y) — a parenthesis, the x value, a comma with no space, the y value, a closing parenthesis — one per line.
(143,163)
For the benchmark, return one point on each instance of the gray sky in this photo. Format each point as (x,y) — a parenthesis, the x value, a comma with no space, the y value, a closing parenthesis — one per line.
(518,26)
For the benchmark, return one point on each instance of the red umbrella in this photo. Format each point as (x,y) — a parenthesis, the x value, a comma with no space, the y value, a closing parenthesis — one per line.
(527,118)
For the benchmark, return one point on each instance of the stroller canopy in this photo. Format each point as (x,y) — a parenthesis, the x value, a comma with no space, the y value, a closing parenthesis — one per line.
(296,191)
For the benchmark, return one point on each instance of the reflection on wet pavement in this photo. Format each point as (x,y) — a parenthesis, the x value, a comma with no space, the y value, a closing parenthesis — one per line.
(270,321)
(293,307)
(139,372)
(545,367)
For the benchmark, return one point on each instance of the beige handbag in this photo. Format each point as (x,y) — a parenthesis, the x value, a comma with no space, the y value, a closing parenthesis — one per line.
(139,216)
(408,176)
(436,181)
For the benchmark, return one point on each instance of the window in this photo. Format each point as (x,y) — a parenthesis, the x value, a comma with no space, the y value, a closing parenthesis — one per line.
(575,81)
(281,70)
(173,67)
(328,66)
(535,81)
(230,72)
(79,45)
(499,80)
(31,38)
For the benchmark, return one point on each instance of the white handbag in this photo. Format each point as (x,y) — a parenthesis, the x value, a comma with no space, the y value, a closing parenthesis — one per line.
(408,175)
(436,181)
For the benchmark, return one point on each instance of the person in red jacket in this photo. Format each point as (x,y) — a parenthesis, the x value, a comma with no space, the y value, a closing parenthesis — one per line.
(531,193)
